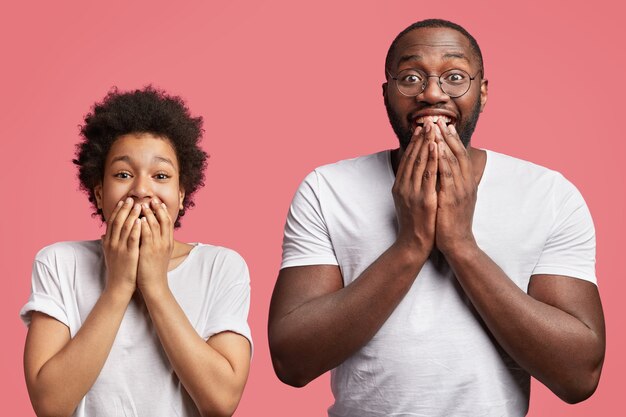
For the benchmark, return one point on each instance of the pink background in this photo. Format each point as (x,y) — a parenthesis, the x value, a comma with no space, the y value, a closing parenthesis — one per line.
(285,87)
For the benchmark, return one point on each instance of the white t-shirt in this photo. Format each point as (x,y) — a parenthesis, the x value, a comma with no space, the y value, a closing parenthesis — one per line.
(434,356)
(211,285)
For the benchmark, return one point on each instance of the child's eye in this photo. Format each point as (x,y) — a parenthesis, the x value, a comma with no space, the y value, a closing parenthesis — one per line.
(122,175)
(161,176)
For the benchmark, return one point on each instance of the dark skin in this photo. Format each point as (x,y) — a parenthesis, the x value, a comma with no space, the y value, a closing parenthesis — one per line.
(316,323)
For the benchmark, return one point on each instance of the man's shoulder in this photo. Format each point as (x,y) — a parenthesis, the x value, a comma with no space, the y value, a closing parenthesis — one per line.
(358,162)
(523,170)
(359,168)
(515,175)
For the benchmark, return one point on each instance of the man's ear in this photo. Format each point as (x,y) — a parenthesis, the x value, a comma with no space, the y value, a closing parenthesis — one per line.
(484,84)
(97,192)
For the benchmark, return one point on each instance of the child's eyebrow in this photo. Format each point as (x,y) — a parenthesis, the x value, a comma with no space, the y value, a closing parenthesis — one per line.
(126,158)
(163,159)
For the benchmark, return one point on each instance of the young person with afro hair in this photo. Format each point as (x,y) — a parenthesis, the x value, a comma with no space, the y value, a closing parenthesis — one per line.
(137,323)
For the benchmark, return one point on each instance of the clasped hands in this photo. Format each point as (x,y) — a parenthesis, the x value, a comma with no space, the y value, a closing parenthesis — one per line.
(435,191)
(138,249)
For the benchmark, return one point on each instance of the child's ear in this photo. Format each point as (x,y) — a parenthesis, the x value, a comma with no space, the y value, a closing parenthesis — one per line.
(97,192)
(181,198)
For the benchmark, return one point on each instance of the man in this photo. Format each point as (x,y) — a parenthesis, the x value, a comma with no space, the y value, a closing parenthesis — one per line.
(435,278)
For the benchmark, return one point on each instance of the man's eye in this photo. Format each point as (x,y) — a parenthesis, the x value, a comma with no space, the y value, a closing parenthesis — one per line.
(455,78)
(411,79)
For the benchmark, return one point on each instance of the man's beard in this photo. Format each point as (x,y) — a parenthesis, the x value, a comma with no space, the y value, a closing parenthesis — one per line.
(464,129)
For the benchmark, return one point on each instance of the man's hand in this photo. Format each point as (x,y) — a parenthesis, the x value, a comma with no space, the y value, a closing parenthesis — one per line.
(414,192)
(121,246)
(456,197)
(157,244)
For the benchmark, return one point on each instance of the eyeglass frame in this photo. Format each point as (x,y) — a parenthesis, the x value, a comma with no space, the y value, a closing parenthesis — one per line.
(425,84)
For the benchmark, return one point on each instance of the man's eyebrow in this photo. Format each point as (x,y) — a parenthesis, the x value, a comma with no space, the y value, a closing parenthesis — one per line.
(446,56)
(406,58)
(459,55)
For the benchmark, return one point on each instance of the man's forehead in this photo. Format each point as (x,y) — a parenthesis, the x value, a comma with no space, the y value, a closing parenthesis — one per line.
(443,42)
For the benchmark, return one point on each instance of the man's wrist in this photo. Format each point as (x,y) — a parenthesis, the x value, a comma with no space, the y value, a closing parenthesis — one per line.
(462,251)
(409,256)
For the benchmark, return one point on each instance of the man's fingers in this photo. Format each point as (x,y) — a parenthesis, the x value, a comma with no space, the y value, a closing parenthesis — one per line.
(459,151)
(429,176)
(419,167)
(451,170)
(446,174)
(405,167)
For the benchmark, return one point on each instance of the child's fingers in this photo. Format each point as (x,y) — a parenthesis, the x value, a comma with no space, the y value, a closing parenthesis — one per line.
(117,222)
(135,234)
(107,234)
(146,232)
(151,221)
(130,222)
(163,218)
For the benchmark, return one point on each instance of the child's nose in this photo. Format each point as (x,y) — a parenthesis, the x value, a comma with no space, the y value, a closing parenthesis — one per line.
(141,189)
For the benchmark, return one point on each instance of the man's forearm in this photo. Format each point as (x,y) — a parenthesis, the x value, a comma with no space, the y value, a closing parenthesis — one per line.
(321,333)
(555,346)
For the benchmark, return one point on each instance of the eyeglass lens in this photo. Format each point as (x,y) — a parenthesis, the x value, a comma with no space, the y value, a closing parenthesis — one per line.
(454,82)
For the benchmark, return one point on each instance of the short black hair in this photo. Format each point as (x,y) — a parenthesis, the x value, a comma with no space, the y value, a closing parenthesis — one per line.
(147,110)
(434,23)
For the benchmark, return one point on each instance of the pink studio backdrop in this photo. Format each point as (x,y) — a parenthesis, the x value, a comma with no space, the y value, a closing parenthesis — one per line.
(284,87)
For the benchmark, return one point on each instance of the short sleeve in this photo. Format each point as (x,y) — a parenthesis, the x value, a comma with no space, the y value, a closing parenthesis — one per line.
(306,240)
(570,248)
(46,295)
(231,303)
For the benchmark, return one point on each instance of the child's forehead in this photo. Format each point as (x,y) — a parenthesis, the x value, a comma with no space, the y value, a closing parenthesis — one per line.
(142,147)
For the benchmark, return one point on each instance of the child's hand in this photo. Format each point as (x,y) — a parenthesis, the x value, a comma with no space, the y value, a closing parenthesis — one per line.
(121,246)
(157,244)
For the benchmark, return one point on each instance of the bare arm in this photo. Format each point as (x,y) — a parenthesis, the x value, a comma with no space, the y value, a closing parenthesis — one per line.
(556,331)
(214,372)
(315,323)
(59,370)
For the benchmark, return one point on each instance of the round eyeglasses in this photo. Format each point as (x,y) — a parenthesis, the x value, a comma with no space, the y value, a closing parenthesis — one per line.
(454,82)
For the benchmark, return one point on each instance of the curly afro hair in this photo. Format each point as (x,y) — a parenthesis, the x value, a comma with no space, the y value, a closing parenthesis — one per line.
(141,111)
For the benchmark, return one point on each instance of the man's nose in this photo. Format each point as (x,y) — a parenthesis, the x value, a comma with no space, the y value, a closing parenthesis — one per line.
(432,92)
